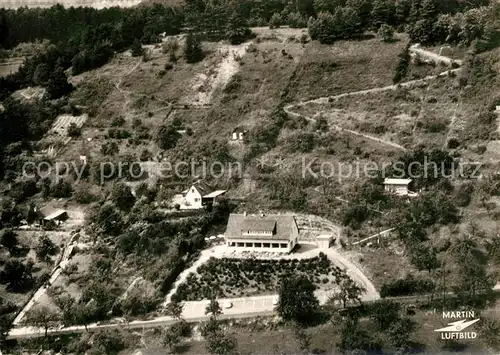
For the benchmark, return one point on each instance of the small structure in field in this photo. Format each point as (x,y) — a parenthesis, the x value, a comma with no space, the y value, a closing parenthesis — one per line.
(398,187)
(324,241)
(201,194)
(238,134)
(51,216)
(265,233)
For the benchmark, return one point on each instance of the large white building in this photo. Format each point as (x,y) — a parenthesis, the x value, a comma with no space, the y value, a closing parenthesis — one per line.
(274,233)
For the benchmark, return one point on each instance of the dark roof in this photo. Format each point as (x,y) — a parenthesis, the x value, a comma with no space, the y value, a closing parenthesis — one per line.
(261,225)
(239,129)
(286,227)
(203,188)
(45,211)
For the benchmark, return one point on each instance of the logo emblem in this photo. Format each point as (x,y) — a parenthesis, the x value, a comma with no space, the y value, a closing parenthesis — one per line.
(457,326)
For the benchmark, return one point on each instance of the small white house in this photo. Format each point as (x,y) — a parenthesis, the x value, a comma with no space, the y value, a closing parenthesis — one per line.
(397,186)
(239,134)
(201,194)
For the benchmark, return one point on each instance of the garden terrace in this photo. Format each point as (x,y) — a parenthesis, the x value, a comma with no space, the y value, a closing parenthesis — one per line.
(229,277)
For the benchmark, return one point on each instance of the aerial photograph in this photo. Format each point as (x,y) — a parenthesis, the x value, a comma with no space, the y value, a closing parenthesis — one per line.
(249,177)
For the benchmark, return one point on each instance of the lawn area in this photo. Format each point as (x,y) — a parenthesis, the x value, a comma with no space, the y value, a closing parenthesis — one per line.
(229,277)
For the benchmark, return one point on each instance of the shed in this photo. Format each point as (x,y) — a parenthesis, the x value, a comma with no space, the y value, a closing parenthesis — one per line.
(324,241)
(239,134)
(50,214)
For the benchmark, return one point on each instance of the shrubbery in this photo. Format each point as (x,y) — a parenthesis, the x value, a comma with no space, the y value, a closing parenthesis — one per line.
(406,287)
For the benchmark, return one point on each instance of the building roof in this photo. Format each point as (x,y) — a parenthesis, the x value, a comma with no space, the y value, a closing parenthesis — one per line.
(324,237)
(286,227)
(396,181)
(55,215)
(261,225)
(215,193)
(203,188)
(239,129)
(49,213)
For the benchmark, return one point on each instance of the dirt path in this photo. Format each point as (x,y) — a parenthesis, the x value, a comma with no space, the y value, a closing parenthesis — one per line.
(291,109)
(207,83)
(215,251)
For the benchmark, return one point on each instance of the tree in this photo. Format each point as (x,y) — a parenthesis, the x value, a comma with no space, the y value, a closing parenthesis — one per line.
(382,12)
(108,219)
(41,74)
(217,341)
(403,65)
(385,313)
(8,238)
(4,30)
(45,248)
(348,292)
(220,343)
(386,32)
(136,48)
(237,30)
(17,275)
(353,337)
(193,51)
(472,262)
(167,137)
(363,8)
(424,258)
(42,317)
(297,301)
(213,308)
(58,85)
(171,337)
(399,333)
(174,309)
(122,197)
(327,5)
(276,21)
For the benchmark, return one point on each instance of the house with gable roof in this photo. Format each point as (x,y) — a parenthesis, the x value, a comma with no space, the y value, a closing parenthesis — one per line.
(200,194)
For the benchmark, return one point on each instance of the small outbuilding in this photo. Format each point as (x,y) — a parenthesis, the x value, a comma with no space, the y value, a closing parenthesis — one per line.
(324,241)
(239,134)
(397,186)
(49,215)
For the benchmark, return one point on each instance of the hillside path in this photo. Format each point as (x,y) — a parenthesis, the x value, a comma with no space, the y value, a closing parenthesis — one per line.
(291,109)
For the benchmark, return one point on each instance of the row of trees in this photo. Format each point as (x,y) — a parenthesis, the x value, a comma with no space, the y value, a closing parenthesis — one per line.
(427,21)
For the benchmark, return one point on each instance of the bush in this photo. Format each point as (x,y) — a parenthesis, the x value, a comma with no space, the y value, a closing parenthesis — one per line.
(463,195)
(406,287)
(386,32)
(193,51)
(276,21)
(74,130)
